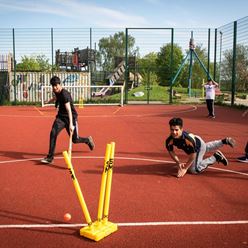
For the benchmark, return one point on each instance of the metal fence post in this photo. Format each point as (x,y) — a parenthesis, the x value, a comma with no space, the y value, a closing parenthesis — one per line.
(234,61)
(209,34)
(171,65)
(14,59)
(215,51)
(126,69)
(52,48)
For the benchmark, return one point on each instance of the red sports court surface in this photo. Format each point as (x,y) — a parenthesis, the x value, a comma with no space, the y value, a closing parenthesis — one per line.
(151,206)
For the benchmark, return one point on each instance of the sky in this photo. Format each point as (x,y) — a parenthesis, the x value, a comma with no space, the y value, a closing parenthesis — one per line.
(120,14)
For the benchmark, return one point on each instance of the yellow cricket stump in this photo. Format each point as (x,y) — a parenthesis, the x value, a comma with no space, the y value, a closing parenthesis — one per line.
(102,227)
(103,183)
(109,182)
(77,188)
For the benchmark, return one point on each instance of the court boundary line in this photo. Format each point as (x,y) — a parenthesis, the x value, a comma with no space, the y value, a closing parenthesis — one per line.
(126,224)
(41,114)
(121,158)
(129,224)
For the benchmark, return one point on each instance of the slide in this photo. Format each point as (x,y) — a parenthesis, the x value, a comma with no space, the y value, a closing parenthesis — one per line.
(113,77)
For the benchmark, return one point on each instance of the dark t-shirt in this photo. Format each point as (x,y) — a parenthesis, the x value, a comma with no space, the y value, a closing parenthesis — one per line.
(186,142)
(62,98)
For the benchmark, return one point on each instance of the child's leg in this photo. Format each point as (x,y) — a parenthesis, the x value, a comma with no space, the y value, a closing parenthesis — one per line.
(213,145)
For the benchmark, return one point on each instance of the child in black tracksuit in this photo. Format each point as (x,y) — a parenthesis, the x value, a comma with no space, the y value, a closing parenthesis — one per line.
(66,118)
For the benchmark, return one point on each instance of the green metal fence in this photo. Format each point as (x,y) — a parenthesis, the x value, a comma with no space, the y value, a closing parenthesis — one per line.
(152,57)
(232,57)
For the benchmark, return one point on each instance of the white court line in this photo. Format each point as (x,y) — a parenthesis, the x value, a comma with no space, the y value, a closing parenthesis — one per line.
(194,108)
(40,112)
(28,116)
(130,224)
(88,157)
(121,158)
(236,172)
(167,223)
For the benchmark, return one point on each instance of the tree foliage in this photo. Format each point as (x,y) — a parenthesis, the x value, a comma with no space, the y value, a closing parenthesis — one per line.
(33,63)
(163,63)
(114,46)
(147,65)
(241,67)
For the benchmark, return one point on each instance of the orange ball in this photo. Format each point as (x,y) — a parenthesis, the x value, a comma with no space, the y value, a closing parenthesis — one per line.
(67,217)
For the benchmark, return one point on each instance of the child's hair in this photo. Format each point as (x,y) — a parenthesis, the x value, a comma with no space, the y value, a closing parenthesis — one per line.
(176,122)
(55,80)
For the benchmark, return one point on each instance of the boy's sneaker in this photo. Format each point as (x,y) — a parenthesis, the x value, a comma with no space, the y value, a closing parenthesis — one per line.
(91,143)
(230,141)
(47,160)
(243,159)
(220,158)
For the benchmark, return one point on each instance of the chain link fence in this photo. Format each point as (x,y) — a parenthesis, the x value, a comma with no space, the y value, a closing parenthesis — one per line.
(151,58)
(232,55)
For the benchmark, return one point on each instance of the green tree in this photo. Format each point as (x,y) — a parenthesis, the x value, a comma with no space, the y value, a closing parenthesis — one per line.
(163,63)
(241,68)
(148,64)
(43,63)
(33,63)
(114,46)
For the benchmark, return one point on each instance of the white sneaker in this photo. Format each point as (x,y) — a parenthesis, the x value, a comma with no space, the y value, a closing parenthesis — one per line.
(230,141)
(46,160)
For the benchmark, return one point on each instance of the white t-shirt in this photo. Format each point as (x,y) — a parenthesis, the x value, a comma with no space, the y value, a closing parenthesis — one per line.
(210,91)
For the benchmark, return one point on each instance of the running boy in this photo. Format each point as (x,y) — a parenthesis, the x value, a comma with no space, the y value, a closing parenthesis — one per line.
(195,148)
(66,118)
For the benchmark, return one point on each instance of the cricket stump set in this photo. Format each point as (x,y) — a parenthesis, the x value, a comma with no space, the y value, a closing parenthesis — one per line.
(102,227)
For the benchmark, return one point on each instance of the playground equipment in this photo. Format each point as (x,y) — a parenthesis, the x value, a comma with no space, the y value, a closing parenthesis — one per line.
(76,60)
(190,54)
(113,77)
(117,76)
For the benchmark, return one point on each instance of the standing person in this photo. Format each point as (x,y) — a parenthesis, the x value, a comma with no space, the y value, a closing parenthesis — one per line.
(195,148)
(65,118)
(244,159)
(210,96)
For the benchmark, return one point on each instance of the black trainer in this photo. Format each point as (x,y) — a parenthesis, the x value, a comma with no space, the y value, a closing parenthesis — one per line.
(220,158)
(243,159)
(46,160)
(91,143)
